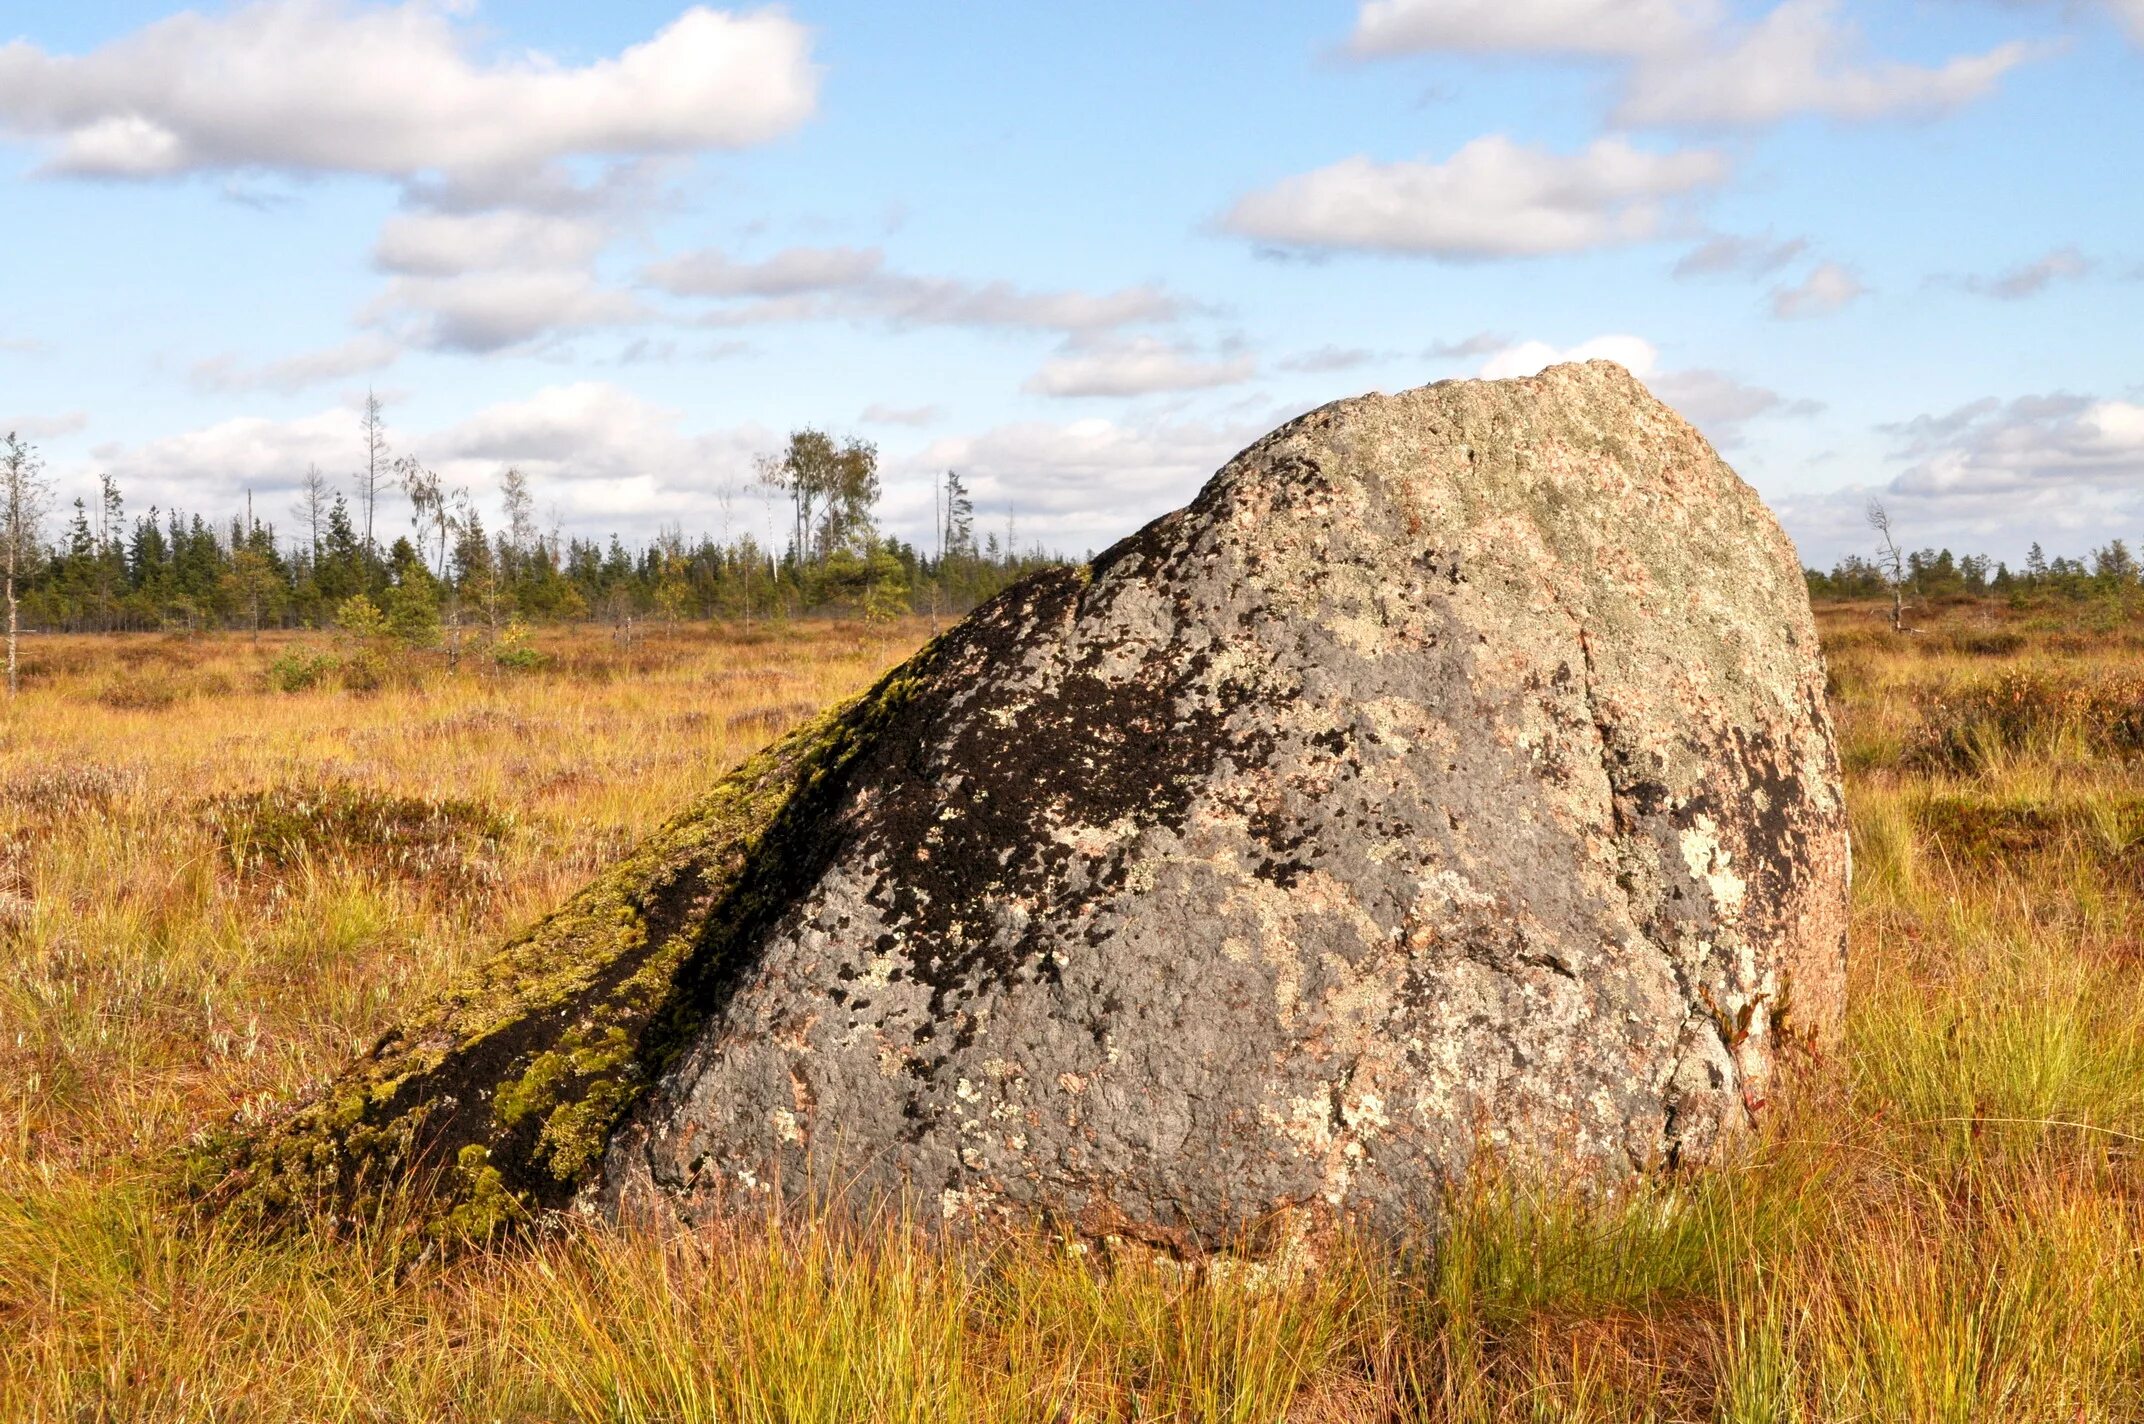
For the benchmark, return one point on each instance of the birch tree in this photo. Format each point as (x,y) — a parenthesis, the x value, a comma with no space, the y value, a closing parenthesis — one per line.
(22,509)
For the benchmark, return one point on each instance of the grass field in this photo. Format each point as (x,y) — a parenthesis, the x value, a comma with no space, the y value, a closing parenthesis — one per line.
(211,893)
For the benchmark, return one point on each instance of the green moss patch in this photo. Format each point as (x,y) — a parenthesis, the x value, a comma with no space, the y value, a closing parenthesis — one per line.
(496,1102)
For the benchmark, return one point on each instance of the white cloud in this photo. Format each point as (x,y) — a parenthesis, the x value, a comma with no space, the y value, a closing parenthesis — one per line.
(211,468)
(1481,343)
(1081,485)
(2033,278)
(1713,401)
(1329,358)
(482,312)
(326,86)
(924,301)
(449,244)
(592,432)
(610,460)
(1722,406)
(1994,475)
(846,283)
(1634,353)
(1725,253)
(1588,27)
(616,190)
(1690,62)
(2127,14)
(46,427)
(1135,368)
(1828,288)
(1493,198)
(355,357)
(606,459)
(878,414)
(791,272)
(1799,58)
(1996,447)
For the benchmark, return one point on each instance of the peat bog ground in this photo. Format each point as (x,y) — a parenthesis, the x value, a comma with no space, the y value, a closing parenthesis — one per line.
(212,892)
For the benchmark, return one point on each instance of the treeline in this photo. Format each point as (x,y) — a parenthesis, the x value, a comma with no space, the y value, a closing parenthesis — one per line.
(1937,573)
(93,566)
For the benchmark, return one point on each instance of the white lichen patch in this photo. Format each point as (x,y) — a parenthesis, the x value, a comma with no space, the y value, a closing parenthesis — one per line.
(1712,863)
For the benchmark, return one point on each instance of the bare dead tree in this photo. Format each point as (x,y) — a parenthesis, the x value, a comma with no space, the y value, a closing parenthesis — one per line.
(311,508)
(377,463)
(1890,563)
(22,510)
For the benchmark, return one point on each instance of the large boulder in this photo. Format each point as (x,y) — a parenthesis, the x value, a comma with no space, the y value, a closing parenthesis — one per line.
(1452,775)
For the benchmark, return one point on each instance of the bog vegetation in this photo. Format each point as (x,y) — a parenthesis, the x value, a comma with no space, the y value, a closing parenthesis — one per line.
(214,889)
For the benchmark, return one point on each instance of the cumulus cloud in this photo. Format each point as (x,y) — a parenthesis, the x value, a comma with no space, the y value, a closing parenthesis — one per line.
(605,458)
(877,414)
(1998,447)
(1828,288)
(1135,368)
(1725,254)
(2031,278)
(1993,475)
(616,190)
(329,86)
(429,244)
(834,283)
(1692,62)
(1481,343)
(594,435)
(482,312)
(921,301)
(1080,485)
(46,427)
(1493,198)
(1721,406)
(2126,14)
(1800,58)
(609,460)
(1582,27)
(211,468)
(1714,401)
(358,356)
(788,273)
(1329,358)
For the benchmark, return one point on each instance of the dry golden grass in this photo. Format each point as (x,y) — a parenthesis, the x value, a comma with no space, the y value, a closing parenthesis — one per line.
(211,894)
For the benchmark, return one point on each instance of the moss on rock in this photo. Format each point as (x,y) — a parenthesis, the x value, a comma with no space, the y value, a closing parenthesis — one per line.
(495,1102)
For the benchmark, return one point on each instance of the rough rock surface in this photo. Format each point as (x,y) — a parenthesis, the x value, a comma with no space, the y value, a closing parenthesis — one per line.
(1454,770)
(1452,774)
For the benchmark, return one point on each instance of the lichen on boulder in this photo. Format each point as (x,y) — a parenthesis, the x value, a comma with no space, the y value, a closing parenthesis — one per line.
(1452,776)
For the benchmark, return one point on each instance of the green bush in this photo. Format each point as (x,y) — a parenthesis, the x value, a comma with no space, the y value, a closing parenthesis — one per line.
(301,669)
(513,653)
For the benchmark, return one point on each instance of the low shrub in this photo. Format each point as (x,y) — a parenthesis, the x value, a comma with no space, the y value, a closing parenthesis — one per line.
(140,692)
(1962,725)
(301,669)
(519,657)
(451,842)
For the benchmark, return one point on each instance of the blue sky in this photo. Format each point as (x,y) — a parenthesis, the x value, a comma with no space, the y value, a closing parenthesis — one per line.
(1080,253)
